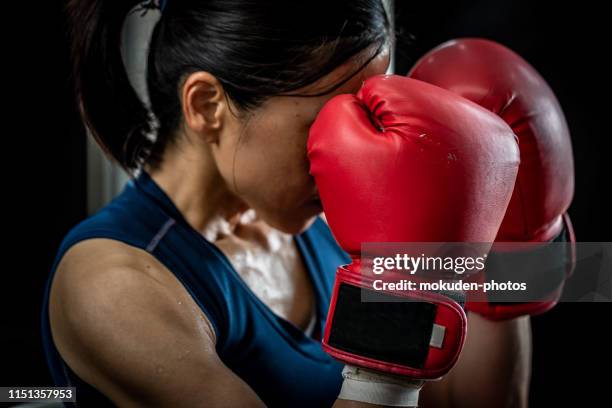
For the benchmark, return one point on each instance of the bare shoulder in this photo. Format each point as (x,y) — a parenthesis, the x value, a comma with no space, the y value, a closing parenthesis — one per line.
(93,258)
(98,278)
(125,325)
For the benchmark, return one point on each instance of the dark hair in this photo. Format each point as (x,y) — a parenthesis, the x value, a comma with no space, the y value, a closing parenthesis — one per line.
(255,48)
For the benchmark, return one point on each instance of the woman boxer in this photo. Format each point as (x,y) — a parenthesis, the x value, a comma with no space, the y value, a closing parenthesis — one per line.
(206,282)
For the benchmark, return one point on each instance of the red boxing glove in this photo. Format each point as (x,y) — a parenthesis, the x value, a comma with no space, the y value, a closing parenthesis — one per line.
(501,81)
(405,161)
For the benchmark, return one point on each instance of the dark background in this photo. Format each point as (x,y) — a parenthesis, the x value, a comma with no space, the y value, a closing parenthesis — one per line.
(44,168)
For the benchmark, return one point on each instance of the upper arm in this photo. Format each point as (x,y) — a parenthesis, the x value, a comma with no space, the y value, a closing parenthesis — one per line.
(133,332)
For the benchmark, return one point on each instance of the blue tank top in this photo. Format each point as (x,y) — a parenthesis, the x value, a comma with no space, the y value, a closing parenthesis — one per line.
(284,366)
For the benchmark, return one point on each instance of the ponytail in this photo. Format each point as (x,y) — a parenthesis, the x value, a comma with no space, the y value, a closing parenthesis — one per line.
(109,105)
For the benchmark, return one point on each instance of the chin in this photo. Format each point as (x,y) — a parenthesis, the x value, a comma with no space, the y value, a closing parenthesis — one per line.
(294,223)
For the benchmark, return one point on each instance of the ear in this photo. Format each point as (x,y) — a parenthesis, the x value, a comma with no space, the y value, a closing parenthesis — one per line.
(204,105)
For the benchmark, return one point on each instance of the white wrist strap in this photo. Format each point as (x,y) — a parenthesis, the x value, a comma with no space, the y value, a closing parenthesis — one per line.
(374,388)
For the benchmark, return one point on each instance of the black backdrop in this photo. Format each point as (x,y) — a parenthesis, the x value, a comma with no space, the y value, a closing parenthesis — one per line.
(44,166)
(569,44)
(44,175)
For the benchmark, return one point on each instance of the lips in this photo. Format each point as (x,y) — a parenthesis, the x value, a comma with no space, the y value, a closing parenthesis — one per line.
(314,199)
(316,192)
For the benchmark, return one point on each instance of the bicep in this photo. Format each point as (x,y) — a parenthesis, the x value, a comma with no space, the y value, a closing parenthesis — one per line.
(141,343)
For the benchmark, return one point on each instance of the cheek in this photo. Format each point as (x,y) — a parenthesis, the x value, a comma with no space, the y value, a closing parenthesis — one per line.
(271,165)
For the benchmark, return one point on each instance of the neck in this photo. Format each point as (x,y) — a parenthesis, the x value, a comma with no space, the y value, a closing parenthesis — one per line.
(193,183)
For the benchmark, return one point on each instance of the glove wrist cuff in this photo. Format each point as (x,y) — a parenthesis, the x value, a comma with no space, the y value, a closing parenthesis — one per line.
(374,388)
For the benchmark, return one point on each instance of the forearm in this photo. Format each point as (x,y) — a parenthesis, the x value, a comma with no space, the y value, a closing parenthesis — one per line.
(340,403)
(494,368)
